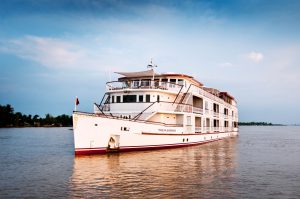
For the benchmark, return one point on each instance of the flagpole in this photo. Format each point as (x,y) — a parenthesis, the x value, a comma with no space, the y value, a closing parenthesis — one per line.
(76,103)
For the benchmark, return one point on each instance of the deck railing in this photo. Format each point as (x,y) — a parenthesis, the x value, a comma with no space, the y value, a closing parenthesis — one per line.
(150,84)
(197,110)
(216,114)
(144,84)
(198,129)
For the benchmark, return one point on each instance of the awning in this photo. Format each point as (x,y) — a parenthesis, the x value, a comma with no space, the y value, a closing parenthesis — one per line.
(147,73)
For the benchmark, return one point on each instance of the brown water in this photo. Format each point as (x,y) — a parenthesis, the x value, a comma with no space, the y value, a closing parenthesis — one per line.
(263,162)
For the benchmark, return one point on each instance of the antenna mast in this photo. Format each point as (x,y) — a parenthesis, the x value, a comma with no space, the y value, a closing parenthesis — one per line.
(151,65)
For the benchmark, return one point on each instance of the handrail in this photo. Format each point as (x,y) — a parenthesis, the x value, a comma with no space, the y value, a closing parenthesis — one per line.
(119,118)
(138,115)
(103,98)
(177,94)
(99,109)
(182,98)
(150,84)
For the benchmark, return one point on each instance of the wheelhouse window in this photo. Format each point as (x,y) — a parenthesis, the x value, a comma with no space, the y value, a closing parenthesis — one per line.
(118,99)
(147,98)
(113,99)
(180,82)
(129,98)
(141,98)
(173,82)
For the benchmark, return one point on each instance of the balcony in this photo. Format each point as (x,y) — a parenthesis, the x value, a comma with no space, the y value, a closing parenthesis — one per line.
(216,129)
(216,114)
(197,110)
(183,108)
(144,84)
(198,129)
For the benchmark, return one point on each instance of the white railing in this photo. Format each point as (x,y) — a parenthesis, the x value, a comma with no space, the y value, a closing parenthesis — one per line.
(216,114)
(144,84)
(206,129)
(105,107)
(197,110)
(202,92)
(216,129)
(198,129)
(184,108)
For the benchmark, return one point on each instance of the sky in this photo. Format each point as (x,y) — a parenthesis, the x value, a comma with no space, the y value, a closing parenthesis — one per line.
(54,50)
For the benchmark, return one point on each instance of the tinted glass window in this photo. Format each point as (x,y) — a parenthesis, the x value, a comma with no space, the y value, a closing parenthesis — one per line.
(129,98)
(147,98)
(141,98)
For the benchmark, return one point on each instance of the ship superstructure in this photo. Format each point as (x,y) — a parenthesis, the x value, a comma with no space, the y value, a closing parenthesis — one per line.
(146,110)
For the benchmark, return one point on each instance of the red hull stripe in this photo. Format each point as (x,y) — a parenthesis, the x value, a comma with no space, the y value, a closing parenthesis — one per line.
(103,150)
(185,134)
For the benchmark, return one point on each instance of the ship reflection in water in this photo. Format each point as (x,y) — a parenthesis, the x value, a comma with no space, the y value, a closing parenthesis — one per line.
(199,171)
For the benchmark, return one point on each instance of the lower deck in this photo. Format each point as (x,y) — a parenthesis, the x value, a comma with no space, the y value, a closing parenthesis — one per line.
(98,134)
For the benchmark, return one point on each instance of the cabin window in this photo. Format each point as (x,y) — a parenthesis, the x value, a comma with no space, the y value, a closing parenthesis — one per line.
(225,123)
(118,99)
(147,98)
(129,98)
(136,83)
(113,99)
(141,98)
(164,80)
(145,82)
(225,111)
(158,98)
(156,82)
(173,82)
(206,105)
(188,120)
(180,82)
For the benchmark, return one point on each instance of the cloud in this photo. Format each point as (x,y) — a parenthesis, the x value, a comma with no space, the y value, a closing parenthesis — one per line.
(50,52)
(226,65)
(255,56)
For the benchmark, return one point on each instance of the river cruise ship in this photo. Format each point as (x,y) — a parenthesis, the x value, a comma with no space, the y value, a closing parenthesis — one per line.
(146,110)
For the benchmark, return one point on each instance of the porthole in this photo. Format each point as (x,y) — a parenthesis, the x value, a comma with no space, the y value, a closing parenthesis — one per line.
(187,139)
(96,124)
(183,140)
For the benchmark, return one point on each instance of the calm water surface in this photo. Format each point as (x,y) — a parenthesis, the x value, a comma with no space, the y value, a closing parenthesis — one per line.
(263,162)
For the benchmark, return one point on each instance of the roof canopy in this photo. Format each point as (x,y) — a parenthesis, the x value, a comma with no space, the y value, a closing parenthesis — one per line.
(147,73)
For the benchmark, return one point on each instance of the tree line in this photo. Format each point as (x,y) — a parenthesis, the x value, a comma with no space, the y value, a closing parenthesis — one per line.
(8,118)
(258,124)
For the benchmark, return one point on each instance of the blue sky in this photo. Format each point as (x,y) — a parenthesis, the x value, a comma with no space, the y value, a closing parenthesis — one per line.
(53,50)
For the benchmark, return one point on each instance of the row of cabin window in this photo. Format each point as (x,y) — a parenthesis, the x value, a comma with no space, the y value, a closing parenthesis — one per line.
(216,108)
(131,98)
(146,82)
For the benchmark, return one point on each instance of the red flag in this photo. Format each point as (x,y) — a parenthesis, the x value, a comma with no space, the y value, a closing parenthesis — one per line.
(77,101)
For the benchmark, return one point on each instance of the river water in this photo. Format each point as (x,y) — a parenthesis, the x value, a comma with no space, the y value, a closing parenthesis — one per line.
(262,162)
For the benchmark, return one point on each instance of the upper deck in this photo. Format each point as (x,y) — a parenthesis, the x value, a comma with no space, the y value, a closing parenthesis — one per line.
(168,82)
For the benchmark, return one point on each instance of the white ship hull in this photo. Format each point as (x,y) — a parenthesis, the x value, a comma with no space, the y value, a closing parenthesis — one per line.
(98,134)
